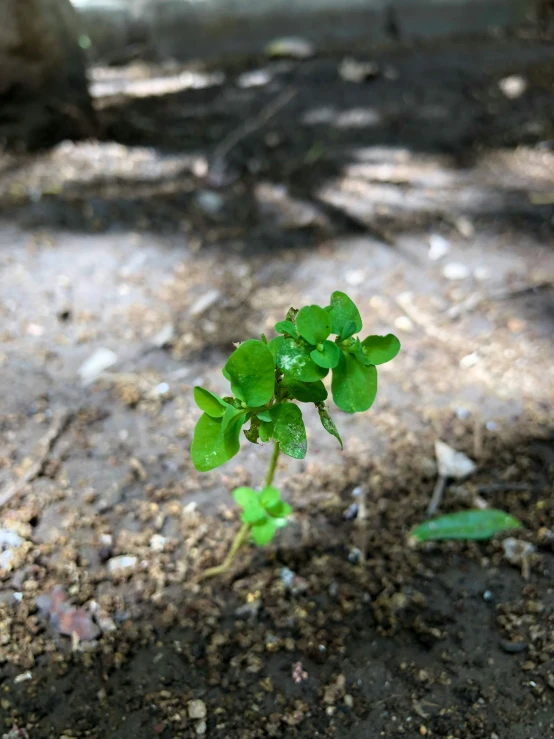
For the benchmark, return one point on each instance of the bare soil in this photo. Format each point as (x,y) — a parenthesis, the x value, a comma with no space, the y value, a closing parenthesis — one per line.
(160,244)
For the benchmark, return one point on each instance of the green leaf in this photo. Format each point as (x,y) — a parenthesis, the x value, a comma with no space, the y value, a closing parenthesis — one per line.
(263,532)
(294,361)
(280,510)
(208,402)
(249,500)
(245,497)
(380,349)
(211,445)
(313,324)
(329,355)
(348,329)
(328,423)
(479,524)
(274,345)
(251,372)
(229,415)
(269,496)
(264,415)
(354,386)
(253,433)
(345,317)
(286,327)
(266,429)
(289,429)
(305,392)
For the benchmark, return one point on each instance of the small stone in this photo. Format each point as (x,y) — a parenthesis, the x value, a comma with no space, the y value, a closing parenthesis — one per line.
(513,86)
(197,709)
(438,247)
(516,551)
(403,323)
(354,556)
(354,277)
(158,542)
(351,70)
(470,360)
(456,271)
(452,463)
(97,363)
(488,596)
(120,564)
(205,302)
(23,677)
(287,577)
(351,512)
(348,701)
(210,202)
(201,728)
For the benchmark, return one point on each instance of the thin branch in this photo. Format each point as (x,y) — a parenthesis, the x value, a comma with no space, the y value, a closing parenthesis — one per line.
(249,126)
(58,426)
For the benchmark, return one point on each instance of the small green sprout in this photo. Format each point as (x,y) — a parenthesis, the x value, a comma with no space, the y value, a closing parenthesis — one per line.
(267,379)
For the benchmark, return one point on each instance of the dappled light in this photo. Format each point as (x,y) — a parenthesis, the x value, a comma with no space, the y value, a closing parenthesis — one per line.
(407,190)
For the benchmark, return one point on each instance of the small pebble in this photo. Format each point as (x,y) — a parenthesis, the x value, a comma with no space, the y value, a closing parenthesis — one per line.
(197,709)
(456,271)
(287,576)
(201,728)
(354,556)
(23,677)
(348,701)
(119,564)
(351,512)
(438,247)
(158,542)
(487,596)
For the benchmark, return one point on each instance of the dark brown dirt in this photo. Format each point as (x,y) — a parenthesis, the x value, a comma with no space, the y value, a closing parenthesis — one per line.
(106,243)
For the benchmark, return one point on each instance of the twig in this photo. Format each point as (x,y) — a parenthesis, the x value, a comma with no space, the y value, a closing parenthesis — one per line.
(249,126)
(503,487)
(58,426)
(436,498)
(475,300)
(361,523)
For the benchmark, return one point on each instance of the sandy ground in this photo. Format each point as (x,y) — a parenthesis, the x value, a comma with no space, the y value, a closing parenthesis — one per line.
(426,193)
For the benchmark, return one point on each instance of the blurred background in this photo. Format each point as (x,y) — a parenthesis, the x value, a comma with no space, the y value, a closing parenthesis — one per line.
(174,175)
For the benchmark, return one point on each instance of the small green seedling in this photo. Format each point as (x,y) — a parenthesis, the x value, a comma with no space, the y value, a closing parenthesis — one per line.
(267,380)
(465,525)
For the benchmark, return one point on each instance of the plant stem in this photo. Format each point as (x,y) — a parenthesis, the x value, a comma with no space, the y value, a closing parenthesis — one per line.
(244,531)
(273,464)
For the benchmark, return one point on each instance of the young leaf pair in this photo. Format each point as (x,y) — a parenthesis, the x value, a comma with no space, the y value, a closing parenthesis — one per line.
(263,512)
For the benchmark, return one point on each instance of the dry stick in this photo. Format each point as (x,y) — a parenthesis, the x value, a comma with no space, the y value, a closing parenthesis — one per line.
(436,498)
(244,531)
(58,426)
(474,301)
(248,127)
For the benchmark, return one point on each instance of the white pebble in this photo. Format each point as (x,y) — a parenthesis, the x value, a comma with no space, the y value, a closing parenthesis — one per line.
(456,271)
(438,247)
(99,361)
(197,709)
(204,302)
(157,543)
(119,564)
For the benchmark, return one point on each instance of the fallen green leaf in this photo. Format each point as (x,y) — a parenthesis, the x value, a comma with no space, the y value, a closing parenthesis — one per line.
(478,524)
